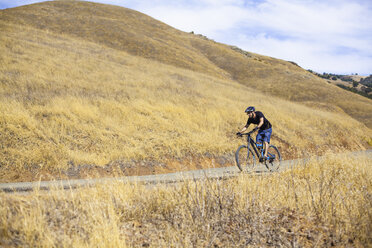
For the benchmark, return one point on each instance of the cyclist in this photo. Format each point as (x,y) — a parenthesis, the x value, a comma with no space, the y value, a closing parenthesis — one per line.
(263,127)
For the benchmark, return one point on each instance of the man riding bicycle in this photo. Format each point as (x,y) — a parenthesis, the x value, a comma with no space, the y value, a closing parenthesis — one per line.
(263,127)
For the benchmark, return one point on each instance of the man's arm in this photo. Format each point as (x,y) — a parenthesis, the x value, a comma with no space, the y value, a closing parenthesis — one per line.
(261,123)
(244,128)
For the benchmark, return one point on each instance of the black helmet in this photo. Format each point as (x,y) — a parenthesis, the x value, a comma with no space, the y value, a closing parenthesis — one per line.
(250,109)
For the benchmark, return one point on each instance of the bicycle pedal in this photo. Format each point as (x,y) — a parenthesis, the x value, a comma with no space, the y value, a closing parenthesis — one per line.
(262,160)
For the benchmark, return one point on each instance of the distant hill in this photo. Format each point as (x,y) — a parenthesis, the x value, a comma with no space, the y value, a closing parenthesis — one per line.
(367,81)
(92,90)
(358,84)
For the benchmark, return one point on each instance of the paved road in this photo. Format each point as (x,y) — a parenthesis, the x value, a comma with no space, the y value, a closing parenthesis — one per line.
(224,172)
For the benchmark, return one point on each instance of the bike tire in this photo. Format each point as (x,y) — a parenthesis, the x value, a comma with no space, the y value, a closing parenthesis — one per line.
(245,161)
(273,163)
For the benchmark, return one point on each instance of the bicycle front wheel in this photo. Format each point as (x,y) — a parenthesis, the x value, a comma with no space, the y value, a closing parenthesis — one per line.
(245,159)
(274,158)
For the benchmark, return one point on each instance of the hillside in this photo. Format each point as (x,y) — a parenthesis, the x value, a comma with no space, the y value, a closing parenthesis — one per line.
(354,83)
(97,89)
(127,30)
(367,81)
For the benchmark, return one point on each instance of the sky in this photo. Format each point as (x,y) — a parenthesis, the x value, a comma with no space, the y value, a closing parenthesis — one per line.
(333,36)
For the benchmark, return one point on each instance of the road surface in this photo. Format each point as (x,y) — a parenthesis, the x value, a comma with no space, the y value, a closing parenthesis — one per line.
(212,173)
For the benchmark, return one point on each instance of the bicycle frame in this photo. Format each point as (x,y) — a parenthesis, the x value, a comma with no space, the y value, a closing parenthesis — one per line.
(251,142)
(259,152)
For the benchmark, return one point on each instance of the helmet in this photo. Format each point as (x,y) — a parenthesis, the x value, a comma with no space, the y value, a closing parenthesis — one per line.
(250,109)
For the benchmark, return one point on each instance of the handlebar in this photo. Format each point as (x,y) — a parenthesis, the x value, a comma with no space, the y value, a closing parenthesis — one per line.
(247,134)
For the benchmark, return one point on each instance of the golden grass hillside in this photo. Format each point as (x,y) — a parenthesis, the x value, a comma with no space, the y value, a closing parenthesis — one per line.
(325,203)
(72,108)
(127,30)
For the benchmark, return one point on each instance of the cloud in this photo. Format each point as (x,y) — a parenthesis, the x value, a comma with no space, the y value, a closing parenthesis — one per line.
(333,36)
(208,21)
(338,34)
(14,3)
(323,35)
(317,56)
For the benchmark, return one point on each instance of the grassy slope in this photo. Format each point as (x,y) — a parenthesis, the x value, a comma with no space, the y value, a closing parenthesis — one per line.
(138,34)
(67,102)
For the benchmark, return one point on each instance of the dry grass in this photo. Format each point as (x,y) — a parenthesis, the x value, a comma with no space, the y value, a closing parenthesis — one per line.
(74,103)
(137,34)
(325,203)
(70,108)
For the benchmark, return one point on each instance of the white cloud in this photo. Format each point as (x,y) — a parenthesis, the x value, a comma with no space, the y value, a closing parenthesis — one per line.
(320,35)
(208,21)
(329,35)
(334,40)
(317,35)
(15,3)
(309,55)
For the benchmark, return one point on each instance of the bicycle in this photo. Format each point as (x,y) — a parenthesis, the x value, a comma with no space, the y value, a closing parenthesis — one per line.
(246,158)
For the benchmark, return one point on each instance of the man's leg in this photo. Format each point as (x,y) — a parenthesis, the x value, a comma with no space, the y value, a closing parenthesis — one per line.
(260,140)
(266,147)
(266,139)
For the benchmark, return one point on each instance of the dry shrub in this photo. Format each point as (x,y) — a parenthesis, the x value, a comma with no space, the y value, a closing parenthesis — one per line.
(327,202)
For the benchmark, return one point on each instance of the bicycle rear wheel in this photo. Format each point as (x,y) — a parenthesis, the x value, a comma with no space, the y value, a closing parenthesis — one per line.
(245,159)
(274,158)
